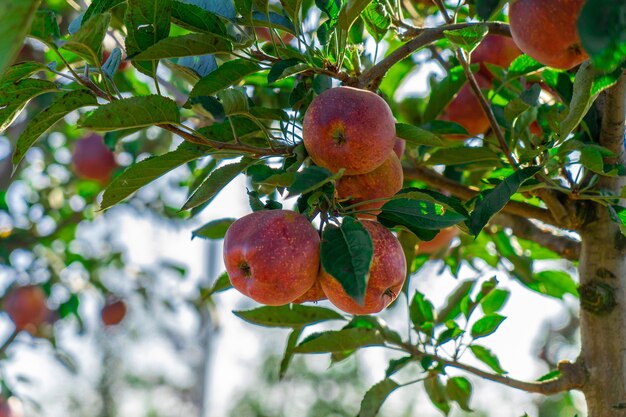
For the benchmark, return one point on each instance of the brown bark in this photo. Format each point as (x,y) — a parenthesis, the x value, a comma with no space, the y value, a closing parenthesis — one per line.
(603,281)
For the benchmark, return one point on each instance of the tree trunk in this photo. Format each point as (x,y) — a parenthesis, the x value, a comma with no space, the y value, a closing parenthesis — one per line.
(603,279)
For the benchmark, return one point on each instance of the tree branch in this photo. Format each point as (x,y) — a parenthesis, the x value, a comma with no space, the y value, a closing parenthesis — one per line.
(423,37)
(612,129)
(8,342)
(565,246)
(464,192)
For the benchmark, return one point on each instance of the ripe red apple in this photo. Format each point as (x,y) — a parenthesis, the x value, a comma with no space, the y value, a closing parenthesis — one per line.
(546,31)
(399,147)
(26,306)
(438,243)
(92,159)
(5,408)
(465,110)
(113,312)
(315,293)
(497,50)
(387,274)
(264,34)
(11,407)
(383,182)
(272,256)
(349,128)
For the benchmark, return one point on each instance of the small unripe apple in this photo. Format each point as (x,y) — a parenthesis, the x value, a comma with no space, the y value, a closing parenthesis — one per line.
(465,110)
(546,31)
(387,274)
(313,294)
(383,182)
(439,243)
(497,50)
(27,307)
(272,256)
(399,147)
(92,159)
(349,128)
(113,312)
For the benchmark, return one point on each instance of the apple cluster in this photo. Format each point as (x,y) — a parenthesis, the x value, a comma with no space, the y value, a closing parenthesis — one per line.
(273,256)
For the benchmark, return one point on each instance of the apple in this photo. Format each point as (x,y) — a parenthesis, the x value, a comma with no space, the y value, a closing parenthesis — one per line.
(439,243)
(123,63)
(272,256)
(26,306)
(399,147)
(497,50)
(313,294)
(5,408)
(383,182)
(264,34)
(113,312)
(387,274)
(465,110)
(92,159)
(11,407)
(546,31)
(349,128)
(535,129)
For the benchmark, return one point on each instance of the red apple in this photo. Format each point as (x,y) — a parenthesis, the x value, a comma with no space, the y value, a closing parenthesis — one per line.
(383,182)
(465,110)
(546,31)
(399,147)
(535,129)
(26,306)
(113,312)
(123,63)
(92,159)
(313,294)
(264,34)
(349,128)
(438,243)
(387,274)
(497,50)
(272,256)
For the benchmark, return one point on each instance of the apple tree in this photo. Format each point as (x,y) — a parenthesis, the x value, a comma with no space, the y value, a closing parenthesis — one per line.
(515,151)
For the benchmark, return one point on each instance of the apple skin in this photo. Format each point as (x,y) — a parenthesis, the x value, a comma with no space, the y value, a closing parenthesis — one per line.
(5,408)
(465,110)
(349,128)
(399,147)
(546,31)
(387,274)
(497,50)
(113,312)
(438,243)
(26,306)
(92,159)
(383,182)
(272,256)
(535,129)
(264,34)
(313,294)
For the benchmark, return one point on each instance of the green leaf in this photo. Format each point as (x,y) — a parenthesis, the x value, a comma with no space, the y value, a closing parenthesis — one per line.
(312,178)
(494,301)
(416,136)
(222,283)
(421,311)
(396,364)
(227,74)
(99,6)
(131,112)
(44,120)
(147,23)
(234,101)
(17,72)
(462,155)
(15,96)
(423,218)
(216,181)
(15,20)
(486,325)
(148,170)
(444,127)
(186,45)
(87,42)
(554,283)
(291,343)
(196,19)
(340,341)
(213,230)
(291,315)
(284,68)
(45,28)
(523,65)
(468,37)
(459,389)
(349,13)
(437,393)
(485,356)
(346,254)
(330,7)
(377,20)
(452,309)
(602,31)
(490,202)
(376,396)
(443,92)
